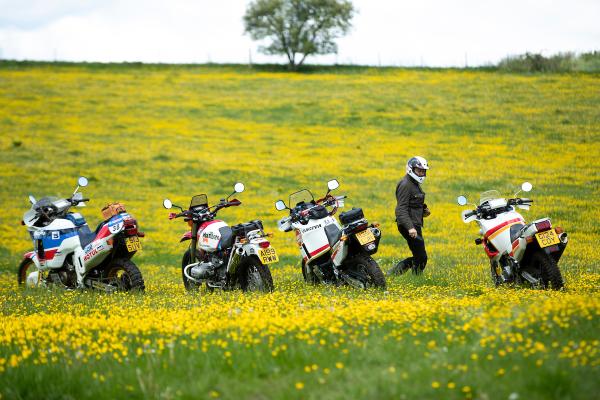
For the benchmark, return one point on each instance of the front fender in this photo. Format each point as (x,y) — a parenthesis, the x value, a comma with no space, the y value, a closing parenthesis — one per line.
(186,236)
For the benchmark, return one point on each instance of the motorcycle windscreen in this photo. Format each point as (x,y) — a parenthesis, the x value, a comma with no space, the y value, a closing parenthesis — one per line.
(301,196)
(199,200)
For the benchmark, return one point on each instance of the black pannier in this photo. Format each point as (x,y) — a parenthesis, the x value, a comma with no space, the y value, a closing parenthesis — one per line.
(241,230)
(350,216)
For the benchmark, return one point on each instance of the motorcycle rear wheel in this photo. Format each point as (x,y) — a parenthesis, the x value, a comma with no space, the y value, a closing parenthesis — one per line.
(125,275)
(546,268)
(253,276)
(365,268)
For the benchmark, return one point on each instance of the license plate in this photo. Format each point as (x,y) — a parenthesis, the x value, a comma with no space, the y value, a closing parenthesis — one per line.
(365,236)
(547,238)
(133,244)
(268,255)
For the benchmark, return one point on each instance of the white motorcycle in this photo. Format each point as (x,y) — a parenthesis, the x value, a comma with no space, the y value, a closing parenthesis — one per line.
(222,256)
(68,255)
(333,253)
(519,252)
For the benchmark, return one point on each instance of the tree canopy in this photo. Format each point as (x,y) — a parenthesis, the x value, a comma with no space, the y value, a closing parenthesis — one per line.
(298,28)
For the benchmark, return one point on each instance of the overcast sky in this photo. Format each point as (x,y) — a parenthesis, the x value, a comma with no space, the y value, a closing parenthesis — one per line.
(393,32)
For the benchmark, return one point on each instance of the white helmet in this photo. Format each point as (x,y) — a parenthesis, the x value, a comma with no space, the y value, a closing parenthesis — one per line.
(416,162)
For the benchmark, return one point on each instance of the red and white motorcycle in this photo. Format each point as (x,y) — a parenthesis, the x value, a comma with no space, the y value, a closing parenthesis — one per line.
(68,255)
(331,252)
(519,252)
(223,257)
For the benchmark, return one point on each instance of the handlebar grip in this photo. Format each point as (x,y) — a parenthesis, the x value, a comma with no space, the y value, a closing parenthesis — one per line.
(470,214)
(83,200)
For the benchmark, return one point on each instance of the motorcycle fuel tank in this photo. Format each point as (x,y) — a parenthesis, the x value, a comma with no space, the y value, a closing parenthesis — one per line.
(209,237)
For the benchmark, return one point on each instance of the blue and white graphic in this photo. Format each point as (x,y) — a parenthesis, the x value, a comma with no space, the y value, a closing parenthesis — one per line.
(115,224)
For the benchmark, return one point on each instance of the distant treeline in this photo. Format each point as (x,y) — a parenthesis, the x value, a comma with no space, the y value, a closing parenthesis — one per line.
(561,62)
(524,63)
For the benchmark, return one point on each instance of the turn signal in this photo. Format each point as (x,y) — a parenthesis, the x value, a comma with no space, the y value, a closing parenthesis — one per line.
(559,230)
(269,235)
(529,239)
(375,224)
(344,238)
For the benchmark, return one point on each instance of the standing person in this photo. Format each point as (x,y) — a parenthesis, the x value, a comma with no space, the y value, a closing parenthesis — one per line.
(410,210)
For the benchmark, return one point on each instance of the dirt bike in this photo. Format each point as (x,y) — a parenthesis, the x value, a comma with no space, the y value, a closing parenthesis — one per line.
(69,255)
(221,256)
(333,253)
(519,252)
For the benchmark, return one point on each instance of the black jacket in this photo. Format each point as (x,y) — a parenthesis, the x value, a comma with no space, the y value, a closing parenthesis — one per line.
(411,203)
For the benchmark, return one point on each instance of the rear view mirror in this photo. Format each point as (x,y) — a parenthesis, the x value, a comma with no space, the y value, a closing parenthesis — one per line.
(82,181)
(333,184)
(526,187)
(239,187)
(167,204)
(461,200)
(280,205)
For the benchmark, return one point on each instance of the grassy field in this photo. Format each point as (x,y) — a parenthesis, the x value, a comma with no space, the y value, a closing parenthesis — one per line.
(143,133)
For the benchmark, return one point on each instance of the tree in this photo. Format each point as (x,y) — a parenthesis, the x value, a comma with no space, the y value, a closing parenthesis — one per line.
(298,27)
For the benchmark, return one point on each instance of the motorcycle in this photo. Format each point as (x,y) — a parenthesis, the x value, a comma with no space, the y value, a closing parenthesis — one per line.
(519,252)
(221,256)
(69,255)
(333,253)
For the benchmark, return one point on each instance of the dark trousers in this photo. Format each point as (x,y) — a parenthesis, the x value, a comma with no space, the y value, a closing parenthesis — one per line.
(417,246)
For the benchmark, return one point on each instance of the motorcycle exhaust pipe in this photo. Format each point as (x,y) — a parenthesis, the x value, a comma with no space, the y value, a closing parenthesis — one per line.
(563,238)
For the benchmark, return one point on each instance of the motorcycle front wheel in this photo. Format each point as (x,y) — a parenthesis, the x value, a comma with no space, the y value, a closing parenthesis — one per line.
(253,276)
(24,269)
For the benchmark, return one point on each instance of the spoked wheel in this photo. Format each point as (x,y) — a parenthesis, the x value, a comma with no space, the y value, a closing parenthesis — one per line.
(125,276)
(308,274)
(364,268)
(544,267)
(254,276)
(189,284)
(25,268)
(496,279)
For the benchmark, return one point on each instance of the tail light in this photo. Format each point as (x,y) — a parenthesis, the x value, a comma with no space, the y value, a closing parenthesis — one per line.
(543,226)
(264,245)
(131,227)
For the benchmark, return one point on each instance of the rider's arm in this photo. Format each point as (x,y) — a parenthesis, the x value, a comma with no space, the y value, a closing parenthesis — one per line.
(402,214)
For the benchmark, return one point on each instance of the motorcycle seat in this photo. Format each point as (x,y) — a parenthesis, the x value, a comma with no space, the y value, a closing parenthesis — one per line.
(86,236)
(514,231)
(227,237)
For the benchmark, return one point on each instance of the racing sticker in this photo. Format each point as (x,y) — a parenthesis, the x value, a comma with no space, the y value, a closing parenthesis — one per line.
(115,224)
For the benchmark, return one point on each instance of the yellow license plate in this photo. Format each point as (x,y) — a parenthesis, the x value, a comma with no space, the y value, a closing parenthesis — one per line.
(133,244)
(365,236)
(547,238)
(268,255)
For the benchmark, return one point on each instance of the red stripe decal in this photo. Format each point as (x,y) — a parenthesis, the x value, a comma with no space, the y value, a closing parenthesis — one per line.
(104,232)
(317,251)
(502,225)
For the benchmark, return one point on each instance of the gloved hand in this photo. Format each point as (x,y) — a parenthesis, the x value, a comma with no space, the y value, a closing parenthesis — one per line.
(426,212)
